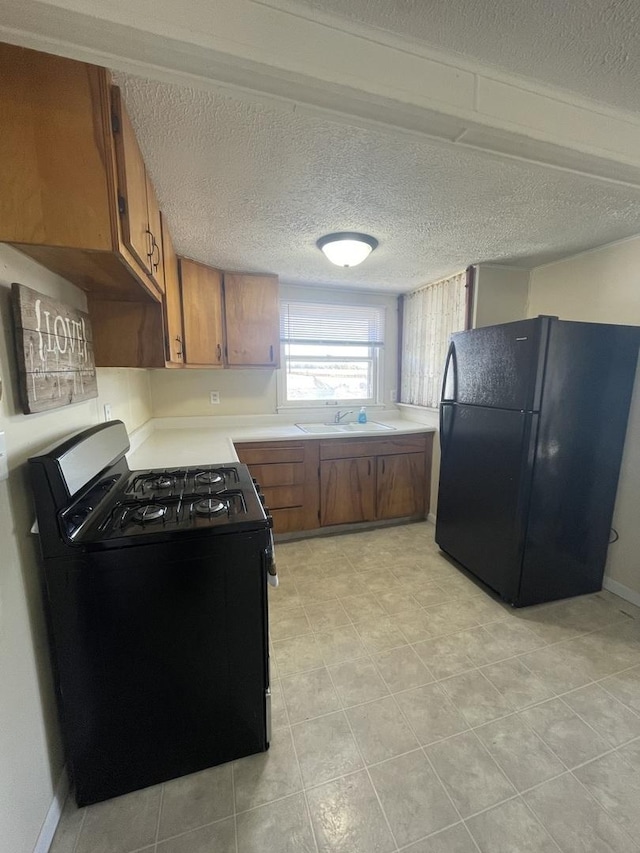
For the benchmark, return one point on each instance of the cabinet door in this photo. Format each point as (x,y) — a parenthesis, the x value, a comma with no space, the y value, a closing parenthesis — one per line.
(347,490)
(401,485)
(155,230)
(252,320)
(172,305)
(127,334)
(201,288)
(132,185)
(54,164)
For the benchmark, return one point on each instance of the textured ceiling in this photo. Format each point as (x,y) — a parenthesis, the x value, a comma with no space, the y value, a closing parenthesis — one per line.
(247,184)
(590,47)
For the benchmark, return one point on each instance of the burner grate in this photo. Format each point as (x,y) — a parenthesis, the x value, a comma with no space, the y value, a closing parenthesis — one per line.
(175,482)
(174,511)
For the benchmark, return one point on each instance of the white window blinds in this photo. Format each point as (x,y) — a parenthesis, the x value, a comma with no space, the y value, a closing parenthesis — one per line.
(430,315)
(320,323)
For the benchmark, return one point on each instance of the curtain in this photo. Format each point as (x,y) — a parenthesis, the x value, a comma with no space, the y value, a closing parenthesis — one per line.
(430,315)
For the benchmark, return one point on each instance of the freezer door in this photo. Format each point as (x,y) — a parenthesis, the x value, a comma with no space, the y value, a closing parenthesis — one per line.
(497,366)
(484,488)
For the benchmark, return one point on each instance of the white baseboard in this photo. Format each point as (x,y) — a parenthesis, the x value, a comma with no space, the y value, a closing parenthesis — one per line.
(53,815)
(431,517)
(623,591)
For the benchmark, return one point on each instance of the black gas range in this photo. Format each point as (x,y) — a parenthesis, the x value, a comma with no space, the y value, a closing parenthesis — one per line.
(156,599)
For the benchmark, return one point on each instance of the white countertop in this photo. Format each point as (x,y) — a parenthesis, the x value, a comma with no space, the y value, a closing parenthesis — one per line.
(169,442)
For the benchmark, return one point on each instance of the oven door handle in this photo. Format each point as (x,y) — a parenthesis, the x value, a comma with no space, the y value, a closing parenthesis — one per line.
(270,562)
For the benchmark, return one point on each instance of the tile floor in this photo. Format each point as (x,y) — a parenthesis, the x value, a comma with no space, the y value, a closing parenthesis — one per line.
(413,712)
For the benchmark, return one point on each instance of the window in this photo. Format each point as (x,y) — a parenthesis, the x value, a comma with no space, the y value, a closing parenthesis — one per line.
(430,315)
(331,353)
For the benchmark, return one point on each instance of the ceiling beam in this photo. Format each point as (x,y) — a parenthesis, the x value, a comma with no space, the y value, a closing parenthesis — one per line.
(248,46)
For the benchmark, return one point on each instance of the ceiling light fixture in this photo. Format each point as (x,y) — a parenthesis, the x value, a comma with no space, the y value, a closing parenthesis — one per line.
(347,248)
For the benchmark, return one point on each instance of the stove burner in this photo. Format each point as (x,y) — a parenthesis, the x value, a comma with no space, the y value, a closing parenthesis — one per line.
(209,506)
(160,481)
(149,512)
(211,478)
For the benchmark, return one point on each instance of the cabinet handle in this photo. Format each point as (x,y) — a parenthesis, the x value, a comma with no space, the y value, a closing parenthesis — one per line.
(151,243)
(271,353)
(219,352)
(179,342)
(156,264)
(368,468)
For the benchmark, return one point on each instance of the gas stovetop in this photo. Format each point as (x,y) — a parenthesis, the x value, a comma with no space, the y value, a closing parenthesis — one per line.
(172,482)
(142,504)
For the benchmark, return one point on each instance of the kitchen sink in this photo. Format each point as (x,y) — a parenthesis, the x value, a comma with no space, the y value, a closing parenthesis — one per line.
(370,426)
(320,427)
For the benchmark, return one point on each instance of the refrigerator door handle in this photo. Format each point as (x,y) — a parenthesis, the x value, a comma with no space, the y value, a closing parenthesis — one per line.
(449,391)
(446,425)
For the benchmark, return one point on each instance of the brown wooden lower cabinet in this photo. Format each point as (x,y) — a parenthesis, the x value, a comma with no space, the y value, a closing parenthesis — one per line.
(311,484)
(401,485)
(287,472)
(347,490)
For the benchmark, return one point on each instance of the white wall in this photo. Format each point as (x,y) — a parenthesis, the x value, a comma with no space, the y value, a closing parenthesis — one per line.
(183,393)
(30,752)
(604,286)
(500,294)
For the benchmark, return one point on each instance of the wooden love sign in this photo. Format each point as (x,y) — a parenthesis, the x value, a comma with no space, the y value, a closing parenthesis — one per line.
(55,351)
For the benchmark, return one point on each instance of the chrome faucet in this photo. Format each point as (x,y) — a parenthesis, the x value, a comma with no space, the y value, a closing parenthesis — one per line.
(340,415)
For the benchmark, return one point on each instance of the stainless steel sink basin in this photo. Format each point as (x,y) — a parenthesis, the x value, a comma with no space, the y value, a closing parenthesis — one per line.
(370,426)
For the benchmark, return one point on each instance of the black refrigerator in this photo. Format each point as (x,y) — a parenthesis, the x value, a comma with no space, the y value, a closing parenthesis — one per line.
(532,427)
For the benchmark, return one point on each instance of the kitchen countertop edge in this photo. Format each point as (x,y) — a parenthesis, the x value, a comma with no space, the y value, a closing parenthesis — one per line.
(167,442)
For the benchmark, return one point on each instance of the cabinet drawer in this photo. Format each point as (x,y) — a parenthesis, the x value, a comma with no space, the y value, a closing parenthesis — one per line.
(281,497)
(350,448)
(288,521)
(263,454)
(280,474)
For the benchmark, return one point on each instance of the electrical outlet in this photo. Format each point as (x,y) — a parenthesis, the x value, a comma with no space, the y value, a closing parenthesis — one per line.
(107,411)
(214,398)
(393,394)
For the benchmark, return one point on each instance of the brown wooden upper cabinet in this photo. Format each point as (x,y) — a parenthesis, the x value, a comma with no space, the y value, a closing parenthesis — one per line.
(202,314)
(229,319)
(59,202)
(173,332)
(141,334)
(252,320)
(137,202)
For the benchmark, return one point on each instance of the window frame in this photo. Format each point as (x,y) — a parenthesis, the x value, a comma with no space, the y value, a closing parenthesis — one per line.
(376,358)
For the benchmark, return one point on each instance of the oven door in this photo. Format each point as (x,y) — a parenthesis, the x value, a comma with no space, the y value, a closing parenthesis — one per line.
(162,658)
